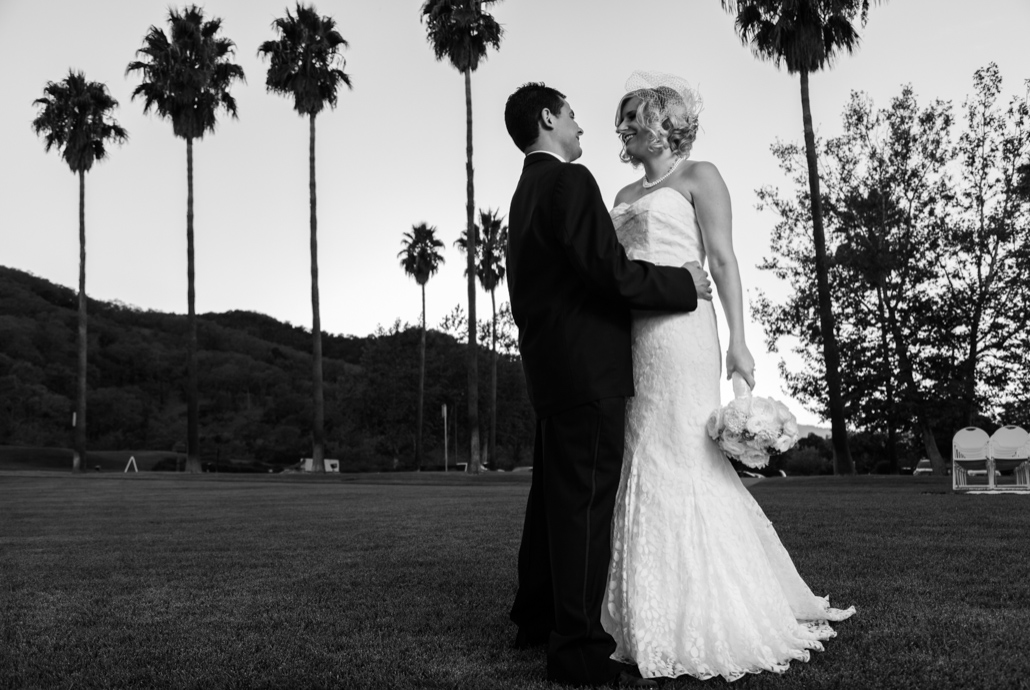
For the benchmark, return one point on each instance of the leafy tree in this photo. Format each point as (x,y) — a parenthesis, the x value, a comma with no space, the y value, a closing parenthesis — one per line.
(461,32)
(306,65)
(75,118)
(891,190)
(883,181)
(456,324)
(490,267)
(506,331)
(420,258)
(186,76)
(985,309)
(905,224)
(806,36)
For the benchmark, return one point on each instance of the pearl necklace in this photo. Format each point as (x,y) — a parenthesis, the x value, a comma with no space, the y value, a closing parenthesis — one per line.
(663,178)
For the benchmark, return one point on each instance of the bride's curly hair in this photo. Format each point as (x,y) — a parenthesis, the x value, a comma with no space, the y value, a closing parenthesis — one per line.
(668,116)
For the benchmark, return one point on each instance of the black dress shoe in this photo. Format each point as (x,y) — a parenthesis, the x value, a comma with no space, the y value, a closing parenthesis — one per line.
(530,639)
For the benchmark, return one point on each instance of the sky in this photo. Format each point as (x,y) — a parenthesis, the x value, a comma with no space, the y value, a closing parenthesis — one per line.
(392,154)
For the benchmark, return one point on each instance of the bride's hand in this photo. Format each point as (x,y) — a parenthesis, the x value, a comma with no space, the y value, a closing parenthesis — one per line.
(740,361)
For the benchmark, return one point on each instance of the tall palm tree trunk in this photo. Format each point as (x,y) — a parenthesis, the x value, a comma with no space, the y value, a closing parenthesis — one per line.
(421,383)
(192,399)
(842,462)
(318,422)
(492,452)
(79,453)
(472,352)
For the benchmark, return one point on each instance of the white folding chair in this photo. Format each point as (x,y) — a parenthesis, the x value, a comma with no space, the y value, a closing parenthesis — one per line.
(970,450)
(1010,450)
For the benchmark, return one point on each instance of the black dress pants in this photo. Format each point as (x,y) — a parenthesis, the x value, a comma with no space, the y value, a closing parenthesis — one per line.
(566,539)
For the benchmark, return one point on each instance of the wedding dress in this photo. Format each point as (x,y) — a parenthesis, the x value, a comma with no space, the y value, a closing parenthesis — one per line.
(699,582)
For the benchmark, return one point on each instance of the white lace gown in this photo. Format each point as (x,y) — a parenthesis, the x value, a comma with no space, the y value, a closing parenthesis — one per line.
(699,583)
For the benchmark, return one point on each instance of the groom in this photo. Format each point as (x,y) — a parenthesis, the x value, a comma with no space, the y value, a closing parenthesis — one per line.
(572,288)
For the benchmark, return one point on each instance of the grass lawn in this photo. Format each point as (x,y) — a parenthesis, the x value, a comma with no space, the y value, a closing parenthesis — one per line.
(404,581)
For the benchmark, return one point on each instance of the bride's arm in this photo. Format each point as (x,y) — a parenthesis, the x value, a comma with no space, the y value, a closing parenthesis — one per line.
(714,213)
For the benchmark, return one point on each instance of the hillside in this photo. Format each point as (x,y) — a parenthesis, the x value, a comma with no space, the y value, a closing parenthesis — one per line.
(254,382)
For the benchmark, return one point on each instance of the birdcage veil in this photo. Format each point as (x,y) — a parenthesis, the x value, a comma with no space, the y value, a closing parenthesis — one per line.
(669,109)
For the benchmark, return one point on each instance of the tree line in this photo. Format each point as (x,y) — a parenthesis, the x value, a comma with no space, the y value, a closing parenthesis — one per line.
(927,214)
(254,388)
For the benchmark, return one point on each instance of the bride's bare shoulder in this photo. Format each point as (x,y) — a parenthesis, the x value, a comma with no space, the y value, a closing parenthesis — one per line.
(629,193)
(700,170)
(701,177)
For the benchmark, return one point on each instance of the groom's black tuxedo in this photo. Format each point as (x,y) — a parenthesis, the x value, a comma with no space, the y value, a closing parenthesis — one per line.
(572,288)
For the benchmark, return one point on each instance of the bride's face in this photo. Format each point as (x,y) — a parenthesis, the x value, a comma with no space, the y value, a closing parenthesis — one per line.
(633,136)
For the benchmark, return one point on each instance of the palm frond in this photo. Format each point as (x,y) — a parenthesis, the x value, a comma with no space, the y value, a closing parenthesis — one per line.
(461,32)
(187,73)
(802,34)
(306,62)
(75,117)
(420,252)
(491,248)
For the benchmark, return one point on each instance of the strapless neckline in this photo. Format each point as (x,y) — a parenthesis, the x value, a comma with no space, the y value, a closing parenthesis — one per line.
(633,203)
(661,228)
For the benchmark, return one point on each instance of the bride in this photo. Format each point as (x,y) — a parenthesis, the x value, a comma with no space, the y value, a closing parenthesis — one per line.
(699,583)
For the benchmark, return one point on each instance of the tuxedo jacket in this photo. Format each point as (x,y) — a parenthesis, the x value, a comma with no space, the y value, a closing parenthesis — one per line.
(572,288)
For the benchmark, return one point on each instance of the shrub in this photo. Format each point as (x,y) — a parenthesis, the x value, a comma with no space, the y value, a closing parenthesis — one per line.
(806,461)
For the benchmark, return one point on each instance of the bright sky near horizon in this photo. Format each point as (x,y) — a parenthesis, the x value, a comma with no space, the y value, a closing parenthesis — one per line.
(393,153)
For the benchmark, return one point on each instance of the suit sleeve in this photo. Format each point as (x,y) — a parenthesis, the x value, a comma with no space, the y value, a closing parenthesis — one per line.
(585,230)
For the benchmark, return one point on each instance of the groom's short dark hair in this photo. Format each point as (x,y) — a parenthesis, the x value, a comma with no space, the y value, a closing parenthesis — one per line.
(522,111)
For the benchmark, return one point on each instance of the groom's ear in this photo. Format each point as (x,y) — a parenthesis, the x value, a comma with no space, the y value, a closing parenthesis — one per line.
(547,118)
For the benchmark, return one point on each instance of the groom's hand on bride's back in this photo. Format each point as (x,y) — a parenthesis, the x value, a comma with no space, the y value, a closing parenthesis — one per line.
(701,282)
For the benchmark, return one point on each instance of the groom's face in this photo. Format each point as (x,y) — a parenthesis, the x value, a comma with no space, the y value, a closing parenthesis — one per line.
(567,132)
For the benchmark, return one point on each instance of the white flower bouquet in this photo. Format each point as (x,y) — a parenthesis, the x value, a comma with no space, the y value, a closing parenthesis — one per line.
(750,429)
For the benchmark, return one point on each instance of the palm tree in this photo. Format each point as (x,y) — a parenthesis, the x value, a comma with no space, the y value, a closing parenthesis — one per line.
(186,79)
(75,118)
(807,36)
(490,257)
(461,31)
(306,65)
(420,258)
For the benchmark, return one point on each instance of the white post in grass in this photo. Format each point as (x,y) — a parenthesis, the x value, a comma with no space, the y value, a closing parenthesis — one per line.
(445,437)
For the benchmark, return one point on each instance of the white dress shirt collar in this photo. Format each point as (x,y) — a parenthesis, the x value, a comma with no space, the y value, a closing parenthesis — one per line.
(552,153)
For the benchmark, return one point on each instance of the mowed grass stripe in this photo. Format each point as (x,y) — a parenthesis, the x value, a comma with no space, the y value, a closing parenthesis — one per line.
(404,581)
